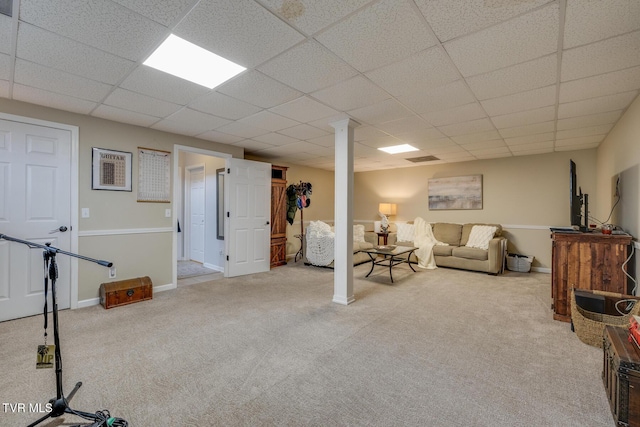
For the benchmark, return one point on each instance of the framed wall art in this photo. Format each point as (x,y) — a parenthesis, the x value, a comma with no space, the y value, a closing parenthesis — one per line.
(457,192)
(111,170)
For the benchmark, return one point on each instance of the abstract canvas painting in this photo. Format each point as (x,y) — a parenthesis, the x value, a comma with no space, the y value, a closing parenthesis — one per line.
(457,192)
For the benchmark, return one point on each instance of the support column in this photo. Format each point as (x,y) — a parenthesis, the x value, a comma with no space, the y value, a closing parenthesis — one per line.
(343,216)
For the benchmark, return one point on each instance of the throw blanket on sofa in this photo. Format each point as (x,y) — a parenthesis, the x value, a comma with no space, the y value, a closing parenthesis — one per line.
(424,240)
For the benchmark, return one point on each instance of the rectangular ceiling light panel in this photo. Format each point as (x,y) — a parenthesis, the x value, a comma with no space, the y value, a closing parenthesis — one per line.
(395,149)
(184,59)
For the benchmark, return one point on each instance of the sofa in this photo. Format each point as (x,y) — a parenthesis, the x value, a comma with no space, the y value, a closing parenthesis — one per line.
(459,251)
(318,244)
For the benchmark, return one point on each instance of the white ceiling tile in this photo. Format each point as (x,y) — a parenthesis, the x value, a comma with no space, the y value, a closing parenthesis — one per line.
(532,129)
(6,40)
(422,72)
(451,19)
(491,153)
(362,133)
(405,124)
(473,126)
(350,94)
(51,99)
(604,84)
(584,146)
(224,106)
(382,33)
(165,12)
(585,131)
(102,24)
(381,112)
(251,145)
(434,144)
(239,30)
(30,74)
(601,57)
(485,145)
(455,115)
(533,152)
(275,139)
(242,130)
(4,88)
(591,120)
(193,122)
(311,16)
(419,136)
(221,137)
(257,89)
(530,139)
(132,101)
(522,101)
(477,137)
(521,39)
(303,131)
(449,149)
(523,118)
(534,74)
(532,146)
(601,104)
(155,83)
(441,98)
(308,67)
(268,121)
(325,141)
(590,21)
(582,140)
(51,50)
(124,116)
(304,109)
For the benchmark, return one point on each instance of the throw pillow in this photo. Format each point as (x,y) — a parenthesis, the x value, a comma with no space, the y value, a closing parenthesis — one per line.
(406,232)
(480,236)
(358,233)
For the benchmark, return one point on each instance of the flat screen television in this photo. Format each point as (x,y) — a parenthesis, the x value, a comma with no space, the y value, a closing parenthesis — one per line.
(577,200)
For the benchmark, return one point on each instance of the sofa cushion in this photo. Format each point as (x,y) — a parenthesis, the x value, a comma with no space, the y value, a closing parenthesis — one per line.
(480,236)
(441,250)
(447,233)
(358,233)
(406,232)
(358,246)
(466,230)
(470,253)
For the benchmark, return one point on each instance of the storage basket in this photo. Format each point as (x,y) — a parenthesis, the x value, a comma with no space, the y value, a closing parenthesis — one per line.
(589,326)
(520,263)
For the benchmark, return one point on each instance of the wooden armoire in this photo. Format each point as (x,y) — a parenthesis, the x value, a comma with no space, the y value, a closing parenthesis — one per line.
(278,215)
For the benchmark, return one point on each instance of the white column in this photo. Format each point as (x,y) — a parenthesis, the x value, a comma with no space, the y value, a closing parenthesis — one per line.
(343,217)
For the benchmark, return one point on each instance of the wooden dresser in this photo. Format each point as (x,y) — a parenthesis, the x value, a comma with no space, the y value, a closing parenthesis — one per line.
(586,261)
(278,215)
(621,376)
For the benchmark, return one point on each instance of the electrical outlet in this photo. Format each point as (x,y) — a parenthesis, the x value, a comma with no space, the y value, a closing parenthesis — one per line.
(112,273)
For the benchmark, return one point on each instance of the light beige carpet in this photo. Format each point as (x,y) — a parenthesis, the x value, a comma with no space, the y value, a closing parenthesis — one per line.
(437,348)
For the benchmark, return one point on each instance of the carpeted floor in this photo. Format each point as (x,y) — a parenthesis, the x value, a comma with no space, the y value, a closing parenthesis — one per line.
(192,269)
(437,348)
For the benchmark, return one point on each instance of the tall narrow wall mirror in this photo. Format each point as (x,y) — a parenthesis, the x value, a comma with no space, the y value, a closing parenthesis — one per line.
(220,202)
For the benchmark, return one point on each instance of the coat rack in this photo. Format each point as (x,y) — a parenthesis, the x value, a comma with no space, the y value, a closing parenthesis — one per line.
(298,197)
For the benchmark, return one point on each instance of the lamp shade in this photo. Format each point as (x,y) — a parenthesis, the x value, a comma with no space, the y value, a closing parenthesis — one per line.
(387,208)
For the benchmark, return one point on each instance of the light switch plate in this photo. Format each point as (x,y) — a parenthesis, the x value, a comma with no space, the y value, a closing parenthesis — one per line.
(167,213)
(85,212)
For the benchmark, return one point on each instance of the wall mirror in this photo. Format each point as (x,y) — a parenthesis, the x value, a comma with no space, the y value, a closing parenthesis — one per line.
(220,202)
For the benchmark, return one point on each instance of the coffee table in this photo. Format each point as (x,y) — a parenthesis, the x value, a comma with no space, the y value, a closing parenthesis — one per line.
(391,257)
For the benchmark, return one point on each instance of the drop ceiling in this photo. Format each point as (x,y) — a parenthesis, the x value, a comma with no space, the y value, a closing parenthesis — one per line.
(459,80)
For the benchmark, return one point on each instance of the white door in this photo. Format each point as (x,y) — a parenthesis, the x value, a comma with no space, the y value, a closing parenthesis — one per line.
(248,203)
(196,214)
(35,201)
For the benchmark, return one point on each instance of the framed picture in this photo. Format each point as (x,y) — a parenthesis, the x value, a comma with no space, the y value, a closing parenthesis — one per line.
(111,170)
(457,192)
(154,178)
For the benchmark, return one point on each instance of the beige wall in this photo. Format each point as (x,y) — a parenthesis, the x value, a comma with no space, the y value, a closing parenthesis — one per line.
(619,156)
(116,214)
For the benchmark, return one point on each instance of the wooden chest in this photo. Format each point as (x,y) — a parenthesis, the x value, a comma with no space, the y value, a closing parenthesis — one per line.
(123,292)
(621,376)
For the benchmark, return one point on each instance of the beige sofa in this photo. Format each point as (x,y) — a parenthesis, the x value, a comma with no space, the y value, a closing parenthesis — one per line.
(457,255)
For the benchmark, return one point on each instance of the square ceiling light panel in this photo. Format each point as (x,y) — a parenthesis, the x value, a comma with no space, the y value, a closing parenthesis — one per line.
(184,59)
(396,149)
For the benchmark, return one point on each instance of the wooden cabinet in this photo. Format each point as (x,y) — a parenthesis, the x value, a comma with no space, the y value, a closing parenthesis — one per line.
(621,376)
(586,261)
(278,215)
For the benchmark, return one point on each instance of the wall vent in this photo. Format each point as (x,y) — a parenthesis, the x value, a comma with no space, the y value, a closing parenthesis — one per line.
(6,7)
(423,159)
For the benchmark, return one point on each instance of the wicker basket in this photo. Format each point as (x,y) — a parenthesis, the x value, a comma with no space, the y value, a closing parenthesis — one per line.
(589,326)
(519,263)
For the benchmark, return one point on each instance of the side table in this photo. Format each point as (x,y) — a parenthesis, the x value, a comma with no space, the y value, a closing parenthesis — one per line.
(384,237)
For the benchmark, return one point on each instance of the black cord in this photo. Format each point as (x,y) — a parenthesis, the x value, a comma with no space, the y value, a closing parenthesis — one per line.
(101,419)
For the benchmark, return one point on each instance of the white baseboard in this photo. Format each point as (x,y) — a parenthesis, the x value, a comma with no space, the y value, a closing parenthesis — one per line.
(214,267)
(541,270)
(96,301)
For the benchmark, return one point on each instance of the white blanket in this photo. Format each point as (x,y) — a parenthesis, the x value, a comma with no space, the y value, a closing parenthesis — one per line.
(425,241)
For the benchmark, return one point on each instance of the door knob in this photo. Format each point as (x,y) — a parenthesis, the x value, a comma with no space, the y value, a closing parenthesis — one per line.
(267,223)
(60,229)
